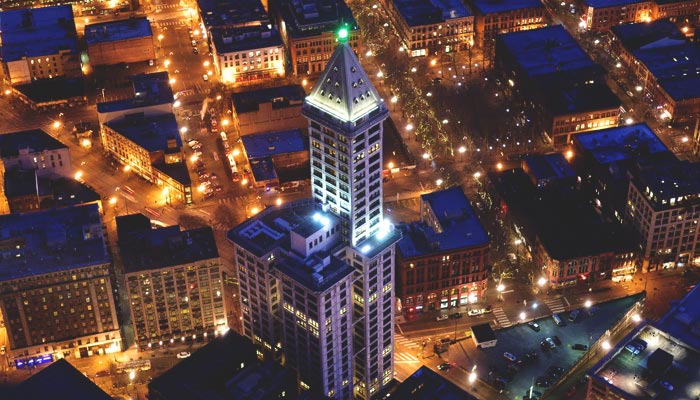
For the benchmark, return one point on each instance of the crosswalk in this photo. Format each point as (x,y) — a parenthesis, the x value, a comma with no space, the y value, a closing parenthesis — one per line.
(218,226)
(400,358)
(501,317)
(404,342)
(164,6)
(555,304)
(171,22)
(233,200)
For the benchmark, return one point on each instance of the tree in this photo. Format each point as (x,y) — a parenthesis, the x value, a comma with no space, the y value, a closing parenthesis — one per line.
(224,215)
(190,221)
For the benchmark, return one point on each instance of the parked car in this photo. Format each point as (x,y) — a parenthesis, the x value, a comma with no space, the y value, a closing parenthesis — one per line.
(488,309)
(510,357)
(551,342)
(442,317)
(544,346)
(183,354)
(534,326)
(555,372)
(666,385)
(573,315)
(235,177)
(543,381)
(475,312)
(444,367)
(456,315)
(102,373)
(214,176)
(579,346)
(556,340)
(592,311)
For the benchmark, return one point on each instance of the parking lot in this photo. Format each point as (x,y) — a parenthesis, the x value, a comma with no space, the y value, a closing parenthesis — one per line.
(515,378)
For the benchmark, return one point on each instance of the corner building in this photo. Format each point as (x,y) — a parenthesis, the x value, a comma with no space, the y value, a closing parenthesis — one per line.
(332,258)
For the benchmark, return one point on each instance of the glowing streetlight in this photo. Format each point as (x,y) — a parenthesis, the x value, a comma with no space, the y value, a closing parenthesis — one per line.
(461,149)
(7,92)
(177,103)
(394,99)
(517,242)
(542,281)
(638,88)
(414,69)
(426,156)
(569,154)
(304,82)
(606,345)
(201,188)
(477,175)
(636,318)
(86,142)
(684,139)
(433,62)
(78,175)
(56,124)
(225,122)
(218,97)
(183,130)
(172,81)
(499,166)
(368,53)
(236,152)
(206,63)
(132,375)
(409,127)
(629,121)
(113,200)
(439,182)
(472,376)
(254,210)
(278,202)
(244,182)
(380,74)
(522,316)
(500,287)
(587,304)
(390,165)
(166,63)
(194,158)
(127,168)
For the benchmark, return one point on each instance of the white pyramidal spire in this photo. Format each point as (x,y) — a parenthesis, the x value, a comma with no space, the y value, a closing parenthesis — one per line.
(344,91)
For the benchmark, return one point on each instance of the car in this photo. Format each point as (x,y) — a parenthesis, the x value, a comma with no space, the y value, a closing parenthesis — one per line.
(579,346)
(475,312)
(510,357)
(214,176)
(208,195)
(103,373)
(543,381)
(150,63)
(555,372)
(195,51)
(456,315)
(235,177)
(198,153)
(444,367)
(183,354)
(550,342)
(488,309)
(204,175)
(196,146)
(666,385)
(633,349)
(573,315)
(192,142)
(592,311)
(556,340)
(534,326)
(194,43)
(218,188)
(442,317)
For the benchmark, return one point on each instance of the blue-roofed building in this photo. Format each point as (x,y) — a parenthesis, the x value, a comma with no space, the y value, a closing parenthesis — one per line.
(429,27)
(41,253)
(35,150)
(123,41)
(39,43)
(270,152)
(59,381)
(153,95)
(496,17)
(232,13)
(449,235)
(26,192)
(547,169)
(548,66)
(310,27)
(665,64)
(601,15)
(182,263)
(269,109)
(248,53)
(425,384)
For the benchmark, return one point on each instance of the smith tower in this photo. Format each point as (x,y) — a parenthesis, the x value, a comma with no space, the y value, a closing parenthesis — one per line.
(345,116)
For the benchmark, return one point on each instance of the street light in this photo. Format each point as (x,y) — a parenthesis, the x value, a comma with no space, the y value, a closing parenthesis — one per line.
(522,316)
(56,124)
(472,377)
(409,127)
(278,201)
(588,304)
(606,345)
(438,182)
(542,281)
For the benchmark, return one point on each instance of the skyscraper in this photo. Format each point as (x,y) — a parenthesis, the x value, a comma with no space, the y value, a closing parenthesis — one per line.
(316,277)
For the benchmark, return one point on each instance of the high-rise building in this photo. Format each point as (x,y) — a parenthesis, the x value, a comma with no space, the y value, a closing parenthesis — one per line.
(316,277)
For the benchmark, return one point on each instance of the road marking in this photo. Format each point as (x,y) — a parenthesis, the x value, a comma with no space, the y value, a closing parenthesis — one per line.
(399,339)
(555,305)
(404,358)
(501,317)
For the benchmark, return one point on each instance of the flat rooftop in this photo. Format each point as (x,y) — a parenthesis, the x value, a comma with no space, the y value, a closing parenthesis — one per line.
(49,241)
(676,68)
(114,31)
(426,12)
(149,90)
(611,3)
(280,97)
(578,99)
(229,40)
(681,320)
(545,51)
(640,375)
(620,143)
(152,132)
(37,32)
(485,7)
(36,140)
(670,183)
(59,381)
(143,248)
(55,89)
(426,384)
(311,18)
(460,226)
(260,145)
(635,36)
(220,13)
(177,171)
(549,166)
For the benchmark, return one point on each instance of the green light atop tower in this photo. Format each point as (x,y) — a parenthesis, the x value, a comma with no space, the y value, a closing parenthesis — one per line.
(343,34)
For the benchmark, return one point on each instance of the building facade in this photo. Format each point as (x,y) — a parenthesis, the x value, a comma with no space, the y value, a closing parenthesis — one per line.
(247,54)
(429,28)
(266,110)
(63,306)
(124,41)
(601,15)
(493,18)
(35,150)
(174,282)
(443,259)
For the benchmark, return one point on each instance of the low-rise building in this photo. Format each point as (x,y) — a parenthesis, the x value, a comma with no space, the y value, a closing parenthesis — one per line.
(60,377)
(432,27)
(174,282)
(426,383)
(39,43)
(443,259)
(246,54)
(496,17)
(663,207)
(35,150)
(275,155)
(675,10)
(269,109)
(665,64)
(123,41)
(309,31)
(569,91)
(56,293)
(221,14)
(601,15)
(152,96)
(546,169)
(25,191)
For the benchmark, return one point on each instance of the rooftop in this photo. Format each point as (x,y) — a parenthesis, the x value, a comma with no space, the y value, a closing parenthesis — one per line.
(221,13)
(459,227)
(43,242)
(610,3)
(113,31)
(578,99)
(280,97)
(426,12)
(49,90)
(230,40)
(620,143)
(311,18)
(682,321)
(177,171)
(676,68)
(149,90)
(143,248)
(549,166)
(670,183)
(260,145)
(263,169)
(37,32)
(36,140)
(635,36)
(59,381)
(152,132)
(65,191)
(426,384)
(545,51)
(666,358)
(497,6)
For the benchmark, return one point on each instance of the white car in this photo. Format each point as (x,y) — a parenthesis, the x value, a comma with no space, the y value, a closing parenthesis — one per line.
(442,317)
(474,312)
(183,354)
